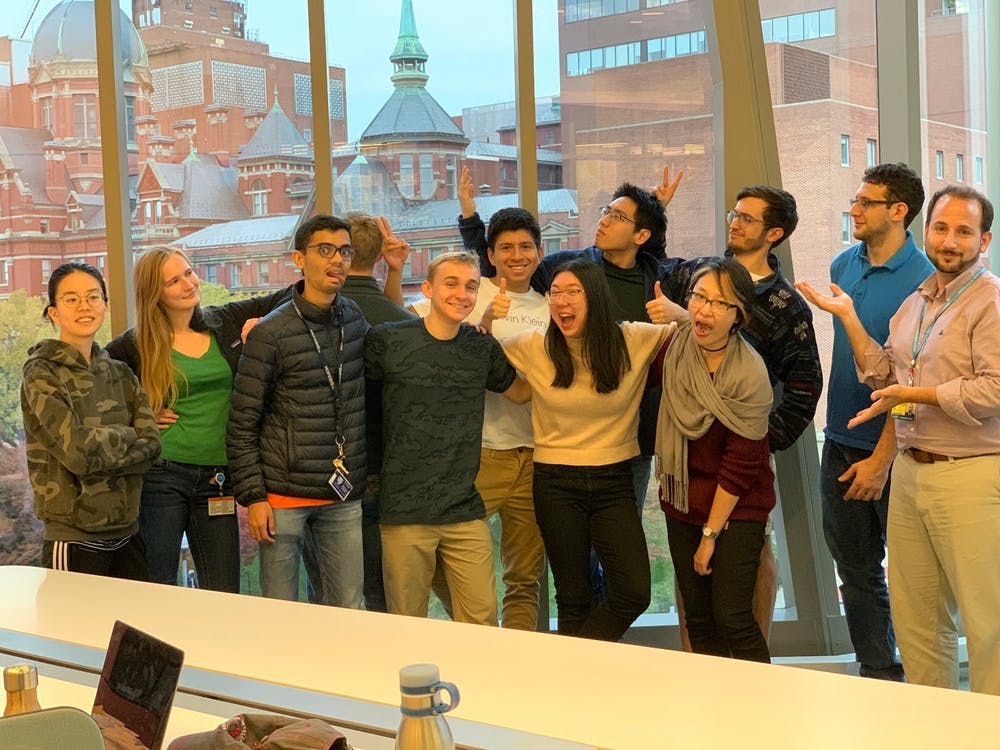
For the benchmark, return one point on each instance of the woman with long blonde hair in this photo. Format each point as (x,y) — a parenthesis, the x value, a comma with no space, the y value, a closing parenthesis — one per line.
(185,357)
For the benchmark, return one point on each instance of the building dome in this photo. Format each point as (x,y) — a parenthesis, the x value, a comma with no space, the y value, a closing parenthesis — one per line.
(68,33)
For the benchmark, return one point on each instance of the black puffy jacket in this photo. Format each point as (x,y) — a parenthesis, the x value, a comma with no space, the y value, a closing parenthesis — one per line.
(281,433)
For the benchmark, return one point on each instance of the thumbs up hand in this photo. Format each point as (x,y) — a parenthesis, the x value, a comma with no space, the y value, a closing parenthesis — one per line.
(498,308)
(661,310)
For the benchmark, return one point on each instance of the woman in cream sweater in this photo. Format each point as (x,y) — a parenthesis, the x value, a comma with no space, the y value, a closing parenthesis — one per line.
(588,374)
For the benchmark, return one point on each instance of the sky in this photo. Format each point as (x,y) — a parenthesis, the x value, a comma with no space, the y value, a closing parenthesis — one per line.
(469,43)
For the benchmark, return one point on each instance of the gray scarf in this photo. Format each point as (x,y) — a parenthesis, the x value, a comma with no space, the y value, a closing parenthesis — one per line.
(739,396)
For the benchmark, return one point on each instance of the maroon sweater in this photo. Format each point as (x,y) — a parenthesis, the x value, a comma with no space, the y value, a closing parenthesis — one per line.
(738,465)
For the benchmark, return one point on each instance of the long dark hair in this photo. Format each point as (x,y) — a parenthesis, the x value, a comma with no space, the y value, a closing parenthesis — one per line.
(603,343)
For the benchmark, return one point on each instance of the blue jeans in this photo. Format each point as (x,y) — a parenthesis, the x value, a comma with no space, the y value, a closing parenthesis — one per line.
(855,533)
(334,531)
(371,537)
(175,502)
(580,506)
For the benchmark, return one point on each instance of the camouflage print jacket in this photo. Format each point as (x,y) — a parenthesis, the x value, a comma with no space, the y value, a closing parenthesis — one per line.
(90,435)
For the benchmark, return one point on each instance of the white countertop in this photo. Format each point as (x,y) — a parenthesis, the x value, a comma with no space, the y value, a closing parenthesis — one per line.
(605,695)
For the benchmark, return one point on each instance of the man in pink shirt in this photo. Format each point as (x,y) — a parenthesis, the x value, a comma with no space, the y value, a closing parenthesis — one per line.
(938,376)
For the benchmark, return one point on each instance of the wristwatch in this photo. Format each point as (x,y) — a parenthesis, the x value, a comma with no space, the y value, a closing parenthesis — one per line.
(708,532)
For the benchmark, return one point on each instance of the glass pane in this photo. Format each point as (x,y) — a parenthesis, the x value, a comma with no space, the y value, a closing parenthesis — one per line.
(830,78)
(623,124)
(953,91)
(225,158)
(51,208)
(415,122)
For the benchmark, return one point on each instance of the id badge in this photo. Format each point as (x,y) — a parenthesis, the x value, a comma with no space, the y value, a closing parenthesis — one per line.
(905,412)
(224,505)
(341,484)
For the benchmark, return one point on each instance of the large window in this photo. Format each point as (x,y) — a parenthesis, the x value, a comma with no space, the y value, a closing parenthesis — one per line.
(953,89)
(619,123)
(224,138)
(220,158)
(51,211)
(416,122)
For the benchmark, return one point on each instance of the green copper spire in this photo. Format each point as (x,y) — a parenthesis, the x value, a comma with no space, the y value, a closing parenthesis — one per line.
(409,56)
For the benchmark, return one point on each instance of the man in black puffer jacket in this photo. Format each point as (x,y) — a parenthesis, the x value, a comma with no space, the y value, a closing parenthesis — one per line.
(296,435)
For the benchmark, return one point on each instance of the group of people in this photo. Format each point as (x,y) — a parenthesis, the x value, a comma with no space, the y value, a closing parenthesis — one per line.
(371,443)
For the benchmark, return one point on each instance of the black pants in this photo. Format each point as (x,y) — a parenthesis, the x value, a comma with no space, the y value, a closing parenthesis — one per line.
(128,561)
(719,606)
(580,506)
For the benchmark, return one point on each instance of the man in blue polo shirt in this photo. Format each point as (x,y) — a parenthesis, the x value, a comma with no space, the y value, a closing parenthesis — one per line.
(879,272)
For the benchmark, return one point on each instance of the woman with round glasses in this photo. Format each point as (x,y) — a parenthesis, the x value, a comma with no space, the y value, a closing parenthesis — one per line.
(90,435)
(713,462)
(588,374)
(185,357)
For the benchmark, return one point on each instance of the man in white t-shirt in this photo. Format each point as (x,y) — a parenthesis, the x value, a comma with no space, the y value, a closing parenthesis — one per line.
(505,469)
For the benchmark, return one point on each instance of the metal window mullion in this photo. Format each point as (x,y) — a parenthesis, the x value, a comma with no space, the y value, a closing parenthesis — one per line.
(117,215)
(897,35)
(991,33)
(524,96)
(319,71)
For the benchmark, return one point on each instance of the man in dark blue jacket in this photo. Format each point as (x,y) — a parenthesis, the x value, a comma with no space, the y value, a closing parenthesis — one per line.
(780,329)
(296,435)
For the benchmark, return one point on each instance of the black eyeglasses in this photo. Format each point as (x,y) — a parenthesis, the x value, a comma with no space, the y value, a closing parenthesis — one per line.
(717,306)
(866,203)
(326,250)
(615,215)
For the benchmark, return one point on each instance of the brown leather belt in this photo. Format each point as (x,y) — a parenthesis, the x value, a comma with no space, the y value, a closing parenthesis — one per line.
(926,457)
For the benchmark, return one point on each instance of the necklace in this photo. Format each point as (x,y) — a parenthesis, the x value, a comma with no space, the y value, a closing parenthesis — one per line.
(706,349)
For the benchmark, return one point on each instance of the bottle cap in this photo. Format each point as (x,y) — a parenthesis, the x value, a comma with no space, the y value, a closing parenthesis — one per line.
(419,675)
(20,677)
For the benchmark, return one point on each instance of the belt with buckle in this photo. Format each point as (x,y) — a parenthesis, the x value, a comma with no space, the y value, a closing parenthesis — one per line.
(926,457)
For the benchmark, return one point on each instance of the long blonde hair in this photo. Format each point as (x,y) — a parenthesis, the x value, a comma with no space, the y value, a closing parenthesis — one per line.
(154,334)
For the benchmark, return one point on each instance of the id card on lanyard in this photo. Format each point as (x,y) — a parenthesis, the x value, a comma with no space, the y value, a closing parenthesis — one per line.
(338,481)
(907,412)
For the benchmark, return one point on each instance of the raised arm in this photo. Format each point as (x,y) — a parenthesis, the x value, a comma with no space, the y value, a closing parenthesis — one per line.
(664,192)
(471,225)
(466,195)
(395,252)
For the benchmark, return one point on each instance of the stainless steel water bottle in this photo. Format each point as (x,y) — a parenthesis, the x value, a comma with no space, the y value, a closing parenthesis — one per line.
(423,726)
(21,684)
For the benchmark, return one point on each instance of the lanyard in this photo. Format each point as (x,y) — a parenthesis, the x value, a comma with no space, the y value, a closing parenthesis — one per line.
(334,382)
(919,341)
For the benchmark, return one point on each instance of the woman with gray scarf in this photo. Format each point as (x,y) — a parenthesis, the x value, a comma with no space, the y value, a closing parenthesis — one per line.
(713,462)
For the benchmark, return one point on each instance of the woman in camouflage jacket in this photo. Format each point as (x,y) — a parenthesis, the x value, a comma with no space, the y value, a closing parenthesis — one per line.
(90,435)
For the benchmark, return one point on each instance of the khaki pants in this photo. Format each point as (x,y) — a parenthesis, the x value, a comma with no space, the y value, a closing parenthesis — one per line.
(465,550)
(944,558)
(504,481)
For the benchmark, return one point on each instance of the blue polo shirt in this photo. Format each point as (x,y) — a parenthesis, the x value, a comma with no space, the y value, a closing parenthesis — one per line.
(877,291)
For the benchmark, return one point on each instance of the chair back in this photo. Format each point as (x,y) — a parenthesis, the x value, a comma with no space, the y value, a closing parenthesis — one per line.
(50,729)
